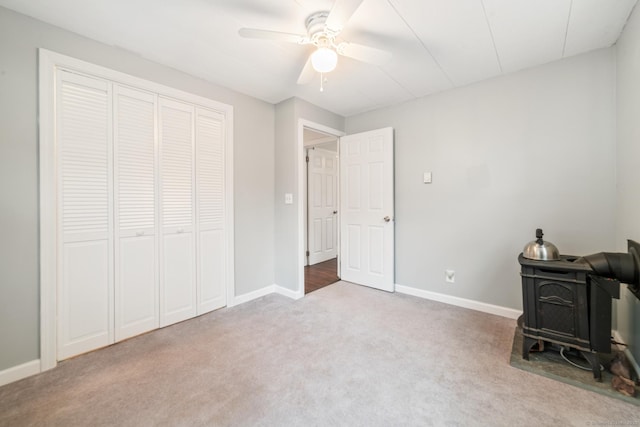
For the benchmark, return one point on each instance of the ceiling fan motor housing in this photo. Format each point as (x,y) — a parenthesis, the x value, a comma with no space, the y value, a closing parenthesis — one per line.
(315,24)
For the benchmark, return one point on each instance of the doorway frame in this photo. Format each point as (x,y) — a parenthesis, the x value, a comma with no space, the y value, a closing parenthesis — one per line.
(304,123)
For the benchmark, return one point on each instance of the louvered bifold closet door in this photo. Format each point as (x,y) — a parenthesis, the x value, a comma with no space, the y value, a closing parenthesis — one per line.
(136,281)
(210,209)
(177,215)
(84,205)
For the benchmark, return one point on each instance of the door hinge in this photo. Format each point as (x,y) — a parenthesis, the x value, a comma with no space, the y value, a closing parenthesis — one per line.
(307,158)
(307,253)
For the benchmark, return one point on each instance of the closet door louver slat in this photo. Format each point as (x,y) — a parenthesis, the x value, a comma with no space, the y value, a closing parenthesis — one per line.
(177,166)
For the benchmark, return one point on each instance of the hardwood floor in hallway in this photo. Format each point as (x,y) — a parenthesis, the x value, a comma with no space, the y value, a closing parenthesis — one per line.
(320,275)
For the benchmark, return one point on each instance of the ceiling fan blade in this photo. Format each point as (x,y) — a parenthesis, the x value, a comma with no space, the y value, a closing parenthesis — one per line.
(340,13)
(254,33)
(307,73)
(364,53)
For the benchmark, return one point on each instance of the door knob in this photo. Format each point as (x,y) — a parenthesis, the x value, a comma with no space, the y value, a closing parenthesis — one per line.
(387,218)
(335,212)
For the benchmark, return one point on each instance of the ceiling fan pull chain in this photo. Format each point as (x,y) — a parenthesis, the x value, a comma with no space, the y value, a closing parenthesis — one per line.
(321,82)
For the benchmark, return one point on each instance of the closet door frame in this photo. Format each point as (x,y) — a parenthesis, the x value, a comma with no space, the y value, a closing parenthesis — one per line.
(48,65)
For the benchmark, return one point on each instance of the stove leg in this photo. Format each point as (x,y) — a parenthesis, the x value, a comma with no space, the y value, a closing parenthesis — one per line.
(527,345)
(594,361)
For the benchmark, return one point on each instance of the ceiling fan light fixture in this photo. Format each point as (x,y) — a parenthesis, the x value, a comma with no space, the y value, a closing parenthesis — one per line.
(324,60)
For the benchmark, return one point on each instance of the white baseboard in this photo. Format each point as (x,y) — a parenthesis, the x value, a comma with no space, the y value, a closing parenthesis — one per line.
(632,360)
(287,292)
(271,289)
(19,372)
(249,296)
(460,302)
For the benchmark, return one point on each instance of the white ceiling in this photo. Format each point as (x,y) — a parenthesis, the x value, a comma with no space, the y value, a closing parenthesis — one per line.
(436,44)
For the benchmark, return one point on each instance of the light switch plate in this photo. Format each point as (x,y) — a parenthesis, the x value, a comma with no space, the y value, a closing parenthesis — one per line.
(288,198)
(427,177)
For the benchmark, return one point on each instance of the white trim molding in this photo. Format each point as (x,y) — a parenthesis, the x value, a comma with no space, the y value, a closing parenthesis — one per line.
(48,220)
(267,290)
(484,307)
(288,292)
(250,296)
(19,372)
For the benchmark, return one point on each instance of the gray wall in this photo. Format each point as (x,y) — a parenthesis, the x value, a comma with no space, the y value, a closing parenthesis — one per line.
(20,36)
(288,113)
(285,182)
(530,149)
(628,168)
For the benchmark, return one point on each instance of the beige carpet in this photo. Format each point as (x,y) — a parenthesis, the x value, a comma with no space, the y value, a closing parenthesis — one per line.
(343,355)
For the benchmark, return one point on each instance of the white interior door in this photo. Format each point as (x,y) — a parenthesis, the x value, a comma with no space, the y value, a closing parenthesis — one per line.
(85,260)
(367,225)
(323,205)
(135,145)
(177,250)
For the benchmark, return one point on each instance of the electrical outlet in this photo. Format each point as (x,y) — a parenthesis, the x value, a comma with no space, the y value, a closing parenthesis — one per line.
(450,276)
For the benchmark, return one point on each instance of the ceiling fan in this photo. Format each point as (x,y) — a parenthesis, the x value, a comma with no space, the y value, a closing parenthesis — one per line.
(323,29)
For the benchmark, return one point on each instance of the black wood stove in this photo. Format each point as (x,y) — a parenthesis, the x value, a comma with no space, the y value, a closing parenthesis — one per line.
(567,301)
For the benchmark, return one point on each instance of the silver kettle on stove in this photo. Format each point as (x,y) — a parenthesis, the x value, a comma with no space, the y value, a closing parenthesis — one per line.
(540,250)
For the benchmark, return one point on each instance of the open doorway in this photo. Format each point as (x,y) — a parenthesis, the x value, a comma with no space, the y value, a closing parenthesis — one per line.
(365,237)
(321,223)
